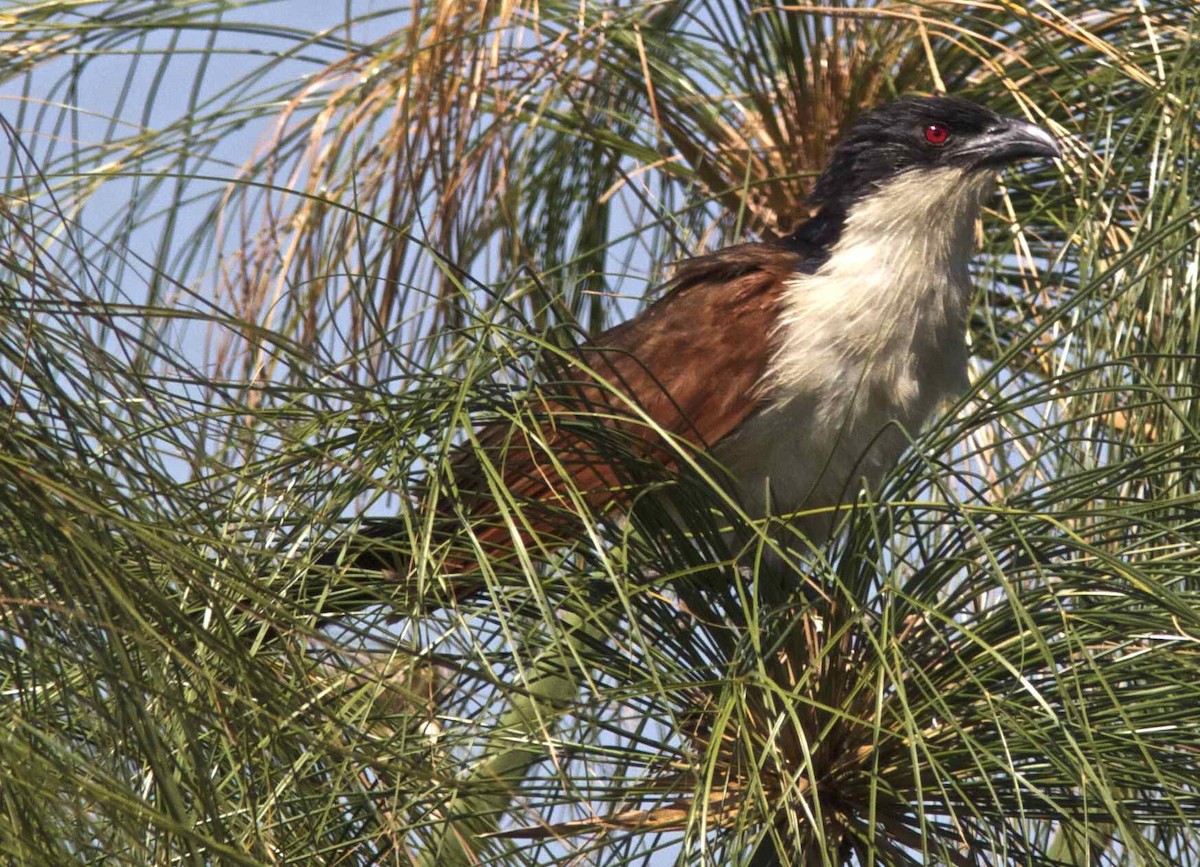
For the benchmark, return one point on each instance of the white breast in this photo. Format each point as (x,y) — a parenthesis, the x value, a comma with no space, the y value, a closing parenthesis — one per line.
(867,348)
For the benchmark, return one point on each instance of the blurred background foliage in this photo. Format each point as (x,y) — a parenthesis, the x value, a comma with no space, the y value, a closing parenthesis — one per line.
(263,266)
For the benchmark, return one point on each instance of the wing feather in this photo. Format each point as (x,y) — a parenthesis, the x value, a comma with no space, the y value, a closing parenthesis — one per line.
(692,362)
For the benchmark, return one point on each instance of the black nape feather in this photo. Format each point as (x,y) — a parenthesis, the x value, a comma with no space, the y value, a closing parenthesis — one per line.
(816,235)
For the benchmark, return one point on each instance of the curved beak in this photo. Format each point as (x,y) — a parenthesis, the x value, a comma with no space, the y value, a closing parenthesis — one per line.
(1012,141)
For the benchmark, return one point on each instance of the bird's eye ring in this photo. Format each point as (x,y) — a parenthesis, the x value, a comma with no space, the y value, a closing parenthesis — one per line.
(936,134)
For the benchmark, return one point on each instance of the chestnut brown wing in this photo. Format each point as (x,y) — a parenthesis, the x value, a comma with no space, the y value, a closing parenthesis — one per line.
(691,362)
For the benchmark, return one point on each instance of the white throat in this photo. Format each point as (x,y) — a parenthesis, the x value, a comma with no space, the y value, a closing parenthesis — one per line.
(897,275)
(873,339)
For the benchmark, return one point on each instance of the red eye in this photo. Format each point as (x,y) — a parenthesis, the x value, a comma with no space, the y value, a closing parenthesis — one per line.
(936,134)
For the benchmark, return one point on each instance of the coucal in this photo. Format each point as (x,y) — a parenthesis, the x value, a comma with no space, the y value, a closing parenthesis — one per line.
(798,365)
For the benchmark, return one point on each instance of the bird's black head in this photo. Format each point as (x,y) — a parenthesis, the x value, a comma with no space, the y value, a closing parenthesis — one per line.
(916,133)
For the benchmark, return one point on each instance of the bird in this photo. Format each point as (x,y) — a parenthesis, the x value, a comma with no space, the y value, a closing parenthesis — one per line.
(801,365)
